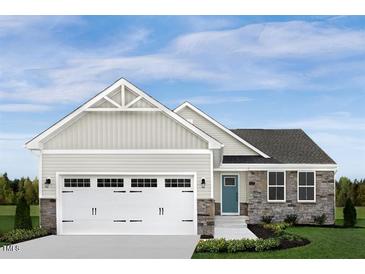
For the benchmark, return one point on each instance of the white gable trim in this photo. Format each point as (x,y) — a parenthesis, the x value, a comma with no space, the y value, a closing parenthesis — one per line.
(34,144)
(187,104)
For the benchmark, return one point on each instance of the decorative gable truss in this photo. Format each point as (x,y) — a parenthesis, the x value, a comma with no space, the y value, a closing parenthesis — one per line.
(122,99)
(120,96)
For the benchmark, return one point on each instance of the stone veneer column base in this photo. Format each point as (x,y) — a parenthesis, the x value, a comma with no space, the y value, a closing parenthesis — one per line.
(206,210)
(48,215)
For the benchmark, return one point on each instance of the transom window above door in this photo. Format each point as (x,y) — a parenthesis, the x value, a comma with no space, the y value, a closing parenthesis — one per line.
(306,187)
(276,187)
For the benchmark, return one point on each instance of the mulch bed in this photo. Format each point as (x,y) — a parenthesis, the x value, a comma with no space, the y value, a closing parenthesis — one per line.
(286,241)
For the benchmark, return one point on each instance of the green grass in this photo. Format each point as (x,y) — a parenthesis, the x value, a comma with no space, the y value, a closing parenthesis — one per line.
(326,243)
(360,211)
(7,223)
(9,210)
(7,213)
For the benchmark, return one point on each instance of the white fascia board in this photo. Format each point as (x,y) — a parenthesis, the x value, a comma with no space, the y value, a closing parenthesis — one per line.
(35,142)
(127,151)
(257,167)
(201,113)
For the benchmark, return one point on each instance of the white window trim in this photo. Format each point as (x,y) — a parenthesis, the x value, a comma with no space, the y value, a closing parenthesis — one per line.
(315,187)
(233,177)
(267,187)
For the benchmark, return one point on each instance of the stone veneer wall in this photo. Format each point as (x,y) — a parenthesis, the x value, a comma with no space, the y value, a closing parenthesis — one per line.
(206,210)
(258,205)
(48,215)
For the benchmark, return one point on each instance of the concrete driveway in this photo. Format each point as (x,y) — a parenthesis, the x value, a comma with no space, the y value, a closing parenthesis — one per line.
(103,247)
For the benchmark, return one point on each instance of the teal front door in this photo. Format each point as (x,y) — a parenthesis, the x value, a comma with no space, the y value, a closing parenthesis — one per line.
(230,194)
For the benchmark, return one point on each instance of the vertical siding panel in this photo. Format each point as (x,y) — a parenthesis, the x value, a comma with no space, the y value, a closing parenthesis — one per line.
(125,130)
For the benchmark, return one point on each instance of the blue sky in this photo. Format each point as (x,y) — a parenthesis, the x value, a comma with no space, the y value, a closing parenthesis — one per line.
(245,71)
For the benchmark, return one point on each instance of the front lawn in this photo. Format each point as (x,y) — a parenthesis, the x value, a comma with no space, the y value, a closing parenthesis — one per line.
(360,211)
(7,214)
(326,243)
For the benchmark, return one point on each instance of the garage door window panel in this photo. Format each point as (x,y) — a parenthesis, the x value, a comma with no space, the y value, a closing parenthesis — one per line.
(143,182)
(177,183)
(110,182)
(77,182)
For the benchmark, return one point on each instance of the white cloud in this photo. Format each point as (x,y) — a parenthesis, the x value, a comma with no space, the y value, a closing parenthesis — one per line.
(23,108)
(335,121)
(211,100)
(251,57)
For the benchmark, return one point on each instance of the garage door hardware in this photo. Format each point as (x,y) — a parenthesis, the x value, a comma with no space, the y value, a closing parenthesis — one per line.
(67,191)
(161,211)
(187,220)
(119,221)
(93,211)
(135,221)
(187,191)
(135,191)
(67,221)
(119,191)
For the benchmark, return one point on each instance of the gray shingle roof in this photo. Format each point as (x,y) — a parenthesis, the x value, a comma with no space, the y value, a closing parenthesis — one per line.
(287,146)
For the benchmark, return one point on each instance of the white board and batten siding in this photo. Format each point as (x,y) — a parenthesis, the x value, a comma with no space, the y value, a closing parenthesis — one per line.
(126,130)
(128,163)
(231,145)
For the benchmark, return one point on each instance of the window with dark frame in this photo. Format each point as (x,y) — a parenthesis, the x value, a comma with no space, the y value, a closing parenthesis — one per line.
(177,182)
(76,182)
(306,187)
(144,182)
(276,187)
(110,182)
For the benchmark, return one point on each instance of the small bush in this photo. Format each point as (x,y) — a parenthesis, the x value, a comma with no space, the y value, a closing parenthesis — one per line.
(22,215)
(278,228)
(20,235)
(267,219)
(232,246)
(349,214)
(291,219)
(267,244)
(320,220)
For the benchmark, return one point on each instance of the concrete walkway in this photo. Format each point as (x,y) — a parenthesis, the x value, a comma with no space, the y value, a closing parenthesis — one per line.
(104,247)
(232,228)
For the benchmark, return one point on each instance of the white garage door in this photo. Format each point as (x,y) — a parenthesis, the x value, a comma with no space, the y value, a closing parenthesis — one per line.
(111,204)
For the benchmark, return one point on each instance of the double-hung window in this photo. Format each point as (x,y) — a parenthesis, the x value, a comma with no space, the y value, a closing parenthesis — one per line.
(276,186)
(306,187)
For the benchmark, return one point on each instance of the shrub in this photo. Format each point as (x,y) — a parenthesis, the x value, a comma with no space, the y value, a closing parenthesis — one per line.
(20,235)
(349,214)
(267,244)
(232,246)
(22,215)
(319,220)
(212,246)
(267,219)
(291,219)
(278,228)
